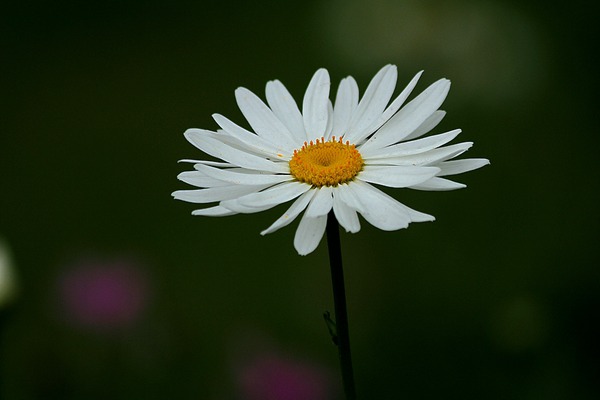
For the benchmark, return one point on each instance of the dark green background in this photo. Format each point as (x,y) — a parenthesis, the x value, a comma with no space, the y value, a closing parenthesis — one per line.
(497,299)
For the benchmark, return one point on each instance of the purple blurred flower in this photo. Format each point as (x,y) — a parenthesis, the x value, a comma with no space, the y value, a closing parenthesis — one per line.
(273,377)
(103,295)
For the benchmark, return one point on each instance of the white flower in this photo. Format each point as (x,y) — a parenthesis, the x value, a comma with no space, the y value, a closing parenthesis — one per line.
(8,280)
(327,156)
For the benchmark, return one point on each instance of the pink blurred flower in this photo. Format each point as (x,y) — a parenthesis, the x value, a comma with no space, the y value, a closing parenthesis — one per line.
(273,377)
(103,295)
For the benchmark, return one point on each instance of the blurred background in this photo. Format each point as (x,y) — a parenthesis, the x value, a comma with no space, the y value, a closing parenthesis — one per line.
(111,289)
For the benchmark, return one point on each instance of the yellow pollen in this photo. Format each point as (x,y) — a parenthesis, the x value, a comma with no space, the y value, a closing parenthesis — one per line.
(326,163)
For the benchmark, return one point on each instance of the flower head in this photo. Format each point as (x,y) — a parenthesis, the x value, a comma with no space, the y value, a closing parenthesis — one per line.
(327,157)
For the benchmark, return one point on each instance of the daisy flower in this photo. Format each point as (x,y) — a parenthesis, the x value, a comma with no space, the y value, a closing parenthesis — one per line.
(327,156)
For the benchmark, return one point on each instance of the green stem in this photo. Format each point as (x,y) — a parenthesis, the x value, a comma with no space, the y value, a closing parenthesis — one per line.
(339,300)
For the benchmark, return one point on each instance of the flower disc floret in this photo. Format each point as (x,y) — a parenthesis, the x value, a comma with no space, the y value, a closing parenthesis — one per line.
(326,163)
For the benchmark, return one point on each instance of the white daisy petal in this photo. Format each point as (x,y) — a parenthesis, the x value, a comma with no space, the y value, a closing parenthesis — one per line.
(389,112)
(412,147)
(216,211)
(213,163)
(329,127)
(352,201)
(252,140)
(410,117)
(275,194)
(262,120)
(234,205)
(346,195)
(428,158)
(459,166)
(398,101)
(200,180)
(439,184)
(217,193)
(346,102)
(290,215)
(231,141)
(397,176)
(285,108)
(210,144)
(345,215)
(309,234)
(321,204)
(242,178)
(379,210)
(314,106)
(415,216)
(431,122)
(373,102)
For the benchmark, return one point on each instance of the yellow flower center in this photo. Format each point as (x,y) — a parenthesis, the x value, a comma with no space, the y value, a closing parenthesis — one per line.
(326,163)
